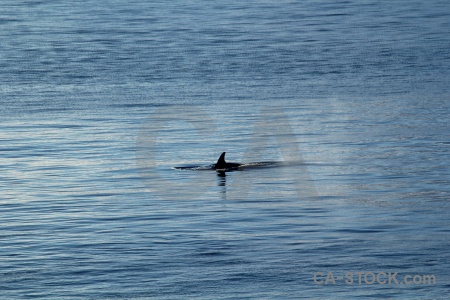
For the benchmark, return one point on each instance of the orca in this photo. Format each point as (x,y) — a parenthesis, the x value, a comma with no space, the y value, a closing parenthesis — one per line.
(223,166)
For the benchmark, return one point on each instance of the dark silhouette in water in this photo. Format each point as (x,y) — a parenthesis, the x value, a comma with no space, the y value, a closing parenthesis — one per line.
(221,166)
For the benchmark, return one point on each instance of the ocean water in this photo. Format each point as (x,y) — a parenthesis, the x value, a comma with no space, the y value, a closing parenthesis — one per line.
(99,100)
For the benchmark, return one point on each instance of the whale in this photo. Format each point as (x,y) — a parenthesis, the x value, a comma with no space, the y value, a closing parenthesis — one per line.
(222,166)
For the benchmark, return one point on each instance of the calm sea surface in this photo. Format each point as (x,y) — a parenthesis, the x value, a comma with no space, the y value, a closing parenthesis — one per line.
(99,100)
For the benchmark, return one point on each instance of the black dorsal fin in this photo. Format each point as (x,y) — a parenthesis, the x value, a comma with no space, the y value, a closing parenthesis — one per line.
(221,164)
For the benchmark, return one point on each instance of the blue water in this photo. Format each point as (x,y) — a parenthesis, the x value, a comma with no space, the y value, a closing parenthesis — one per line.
(101,99)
